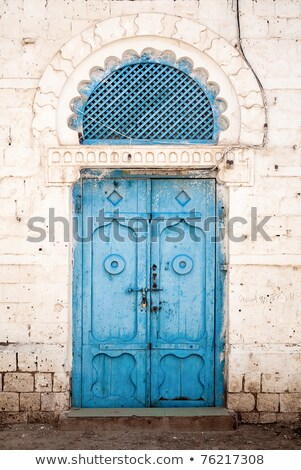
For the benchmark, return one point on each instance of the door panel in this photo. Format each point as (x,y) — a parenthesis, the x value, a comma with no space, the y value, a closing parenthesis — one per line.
(182,315)
(114,268)
(182,276)
(115,347)
(147,301)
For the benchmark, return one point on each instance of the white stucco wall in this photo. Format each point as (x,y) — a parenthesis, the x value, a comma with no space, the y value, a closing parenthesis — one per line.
(262,318)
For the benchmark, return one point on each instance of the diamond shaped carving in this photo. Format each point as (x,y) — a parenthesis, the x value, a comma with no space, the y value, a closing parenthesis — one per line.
(183,198)
(114,198)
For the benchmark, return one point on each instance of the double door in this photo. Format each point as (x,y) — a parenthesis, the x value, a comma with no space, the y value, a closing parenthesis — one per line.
(145,336)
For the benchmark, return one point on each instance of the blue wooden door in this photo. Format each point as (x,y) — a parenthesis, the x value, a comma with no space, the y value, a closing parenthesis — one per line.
(115,344)
(146,320)
(182,313)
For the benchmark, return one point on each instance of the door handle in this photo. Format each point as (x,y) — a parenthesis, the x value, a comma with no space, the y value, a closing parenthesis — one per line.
(137,289)
(143,291)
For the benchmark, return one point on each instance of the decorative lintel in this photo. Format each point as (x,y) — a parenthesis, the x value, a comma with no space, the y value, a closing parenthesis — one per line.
(65,163)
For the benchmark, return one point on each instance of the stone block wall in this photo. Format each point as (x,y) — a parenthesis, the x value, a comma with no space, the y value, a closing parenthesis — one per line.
(29,391)
(263,313)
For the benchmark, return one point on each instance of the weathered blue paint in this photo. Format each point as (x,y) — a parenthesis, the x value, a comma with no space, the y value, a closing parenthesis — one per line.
(164,104)
(115,348)
(221,269)
(182,325)
(77,284)
(154,348)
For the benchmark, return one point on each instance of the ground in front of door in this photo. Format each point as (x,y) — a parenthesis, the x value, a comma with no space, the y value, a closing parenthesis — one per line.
(262,437)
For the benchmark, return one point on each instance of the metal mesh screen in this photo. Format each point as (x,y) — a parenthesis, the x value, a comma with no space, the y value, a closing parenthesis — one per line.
(148,102)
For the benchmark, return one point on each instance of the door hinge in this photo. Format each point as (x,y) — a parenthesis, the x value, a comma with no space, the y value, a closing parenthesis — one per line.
(223,267)
(78,204)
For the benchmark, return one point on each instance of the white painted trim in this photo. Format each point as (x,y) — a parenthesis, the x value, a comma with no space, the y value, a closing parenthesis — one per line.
(65,163)
(67,136)
(186,38)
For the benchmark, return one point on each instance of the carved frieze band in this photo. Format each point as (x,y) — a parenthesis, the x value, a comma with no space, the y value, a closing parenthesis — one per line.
(65,163)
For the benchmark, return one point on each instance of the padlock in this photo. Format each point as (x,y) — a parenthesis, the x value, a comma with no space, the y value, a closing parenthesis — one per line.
(143,301)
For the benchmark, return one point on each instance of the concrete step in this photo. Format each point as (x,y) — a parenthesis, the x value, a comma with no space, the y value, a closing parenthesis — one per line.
(169,419)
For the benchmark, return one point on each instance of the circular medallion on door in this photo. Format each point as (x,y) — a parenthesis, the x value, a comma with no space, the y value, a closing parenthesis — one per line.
(182,264)
(114,264)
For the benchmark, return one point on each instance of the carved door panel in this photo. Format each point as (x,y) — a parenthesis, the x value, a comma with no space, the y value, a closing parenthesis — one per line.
(146,326)
(182,313)
(115,344)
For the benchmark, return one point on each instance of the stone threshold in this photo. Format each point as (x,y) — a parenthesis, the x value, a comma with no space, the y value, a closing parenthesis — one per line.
(181,419)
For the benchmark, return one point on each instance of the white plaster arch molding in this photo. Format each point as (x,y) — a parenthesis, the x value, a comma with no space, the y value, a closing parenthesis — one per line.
(111,37)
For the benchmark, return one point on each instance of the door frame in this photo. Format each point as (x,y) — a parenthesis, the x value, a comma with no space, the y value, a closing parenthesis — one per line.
(220,271)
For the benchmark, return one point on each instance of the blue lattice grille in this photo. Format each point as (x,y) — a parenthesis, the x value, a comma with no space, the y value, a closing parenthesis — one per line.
(148,102)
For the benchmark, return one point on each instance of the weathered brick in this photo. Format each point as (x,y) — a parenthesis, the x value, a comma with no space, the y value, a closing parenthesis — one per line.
(51,361)
(13,417)
(268,417)
(249,418)
(30,401)
(240,401)
(18,382)
(288,8)
(268,402)
(258,29)
(288,417)
(48,401)
(294,383)
(7,361)
(27,361)
(12,187)
(275,382)
(286,28)
(61,382)
(34,9)
(13,332)
(290,402)
(54,401)
(43,382)
(235,383)
(49,333)
(48,417)
(264,8)
(9,401)
(252,383)
(14,273)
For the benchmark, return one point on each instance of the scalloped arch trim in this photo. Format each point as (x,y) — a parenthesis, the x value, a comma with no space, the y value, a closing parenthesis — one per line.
(148,98)
(184,37)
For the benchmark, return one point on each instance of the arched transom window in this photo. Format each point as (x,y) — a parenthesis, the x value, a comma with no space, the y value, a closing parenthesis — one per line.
(148,99)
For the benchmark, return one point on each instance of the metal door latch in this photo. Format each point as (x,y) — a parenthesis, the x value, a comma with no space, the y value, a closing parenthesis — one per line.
(150,289)
(143,301)
(143,291)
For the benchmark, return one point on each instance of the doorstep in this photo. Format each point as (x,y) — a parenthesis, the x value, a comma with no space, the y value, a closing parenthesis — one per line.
(169,419)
